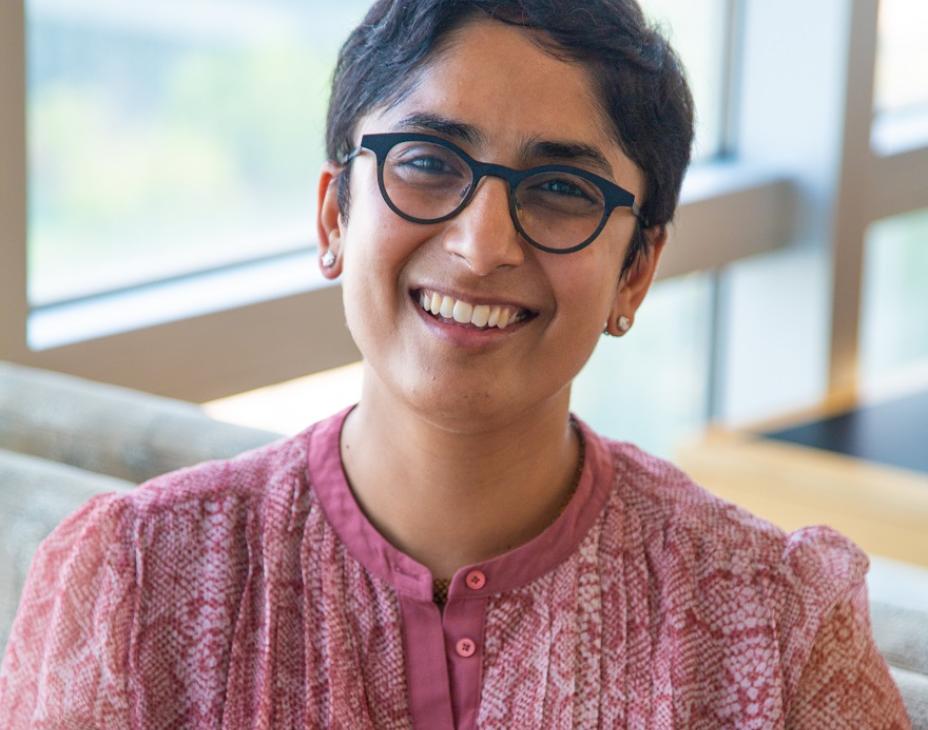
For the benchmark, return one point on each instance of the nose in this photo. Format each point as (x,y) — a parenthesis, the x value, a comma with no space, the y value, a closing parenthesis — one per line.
(483,234)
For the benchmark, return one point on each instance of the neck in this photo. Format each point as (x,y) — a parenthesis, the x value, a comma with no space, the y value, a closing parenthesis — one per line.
(450,495)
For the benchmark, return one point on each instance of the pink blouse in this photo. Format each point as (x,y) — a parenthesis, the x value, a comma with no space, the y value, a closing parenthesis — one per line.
(254,593)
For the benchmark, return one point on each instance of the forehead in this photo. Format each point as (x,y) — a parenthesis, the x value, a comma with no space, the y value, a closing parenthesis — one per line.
(498,79)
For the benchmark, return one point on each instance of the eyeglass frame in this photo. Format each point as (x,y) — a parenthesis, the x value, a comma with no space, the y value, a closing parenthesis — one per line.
(614,196)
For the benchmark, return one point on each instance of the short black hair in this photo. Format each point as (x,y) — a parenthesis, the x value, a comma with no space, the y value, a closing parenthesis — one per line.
(640,80)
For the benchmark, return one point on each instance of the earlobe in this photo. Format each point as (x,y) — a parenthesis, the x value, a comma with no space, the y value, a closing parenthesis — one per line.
(329,222)
(635,285)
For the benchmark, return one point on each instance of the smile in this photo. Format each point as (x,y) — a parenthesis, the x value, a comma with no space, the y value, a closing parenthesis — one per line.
(482,316)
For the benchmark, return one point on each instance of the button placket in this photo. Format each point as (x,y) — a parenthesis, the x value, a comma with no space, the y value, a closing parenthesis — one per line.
(466,647)
(463,623)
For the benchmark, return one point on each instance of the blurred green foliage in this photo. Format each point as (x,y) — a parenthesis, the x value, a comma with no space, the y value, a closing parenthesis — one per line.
(136,152)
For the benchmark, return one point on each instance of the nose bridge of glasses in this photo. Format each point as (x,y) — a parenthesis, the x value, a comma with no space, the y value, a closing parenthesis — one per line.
(490,169)
(487,236)
(486,172)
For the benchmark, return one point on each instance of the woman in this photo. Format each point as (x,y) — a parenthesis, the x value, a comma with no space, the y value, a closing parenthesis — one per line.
(457,551)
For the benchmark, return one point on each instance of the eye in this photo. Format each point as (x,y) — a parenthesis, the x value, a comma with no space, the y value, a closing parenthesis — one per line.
(561,186)
(420,160)
(560,192)
(426,164)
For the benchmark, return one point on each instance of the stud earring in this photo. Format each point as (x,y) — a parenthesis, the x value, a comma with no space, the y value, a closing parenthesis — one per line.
(328,259)
(624,324)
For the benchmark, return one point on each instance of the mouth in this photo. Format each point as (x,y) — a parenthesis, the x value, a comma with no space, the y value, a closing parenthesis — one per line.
(481,316)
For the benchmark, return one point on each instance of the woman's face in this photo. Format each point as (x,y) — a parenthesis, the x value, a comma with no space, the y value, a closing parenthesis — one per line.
(493,80)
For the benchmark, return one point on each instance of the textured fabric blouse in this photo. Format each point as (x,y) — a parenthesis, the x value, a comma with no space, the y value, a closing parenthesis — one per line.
(254,593)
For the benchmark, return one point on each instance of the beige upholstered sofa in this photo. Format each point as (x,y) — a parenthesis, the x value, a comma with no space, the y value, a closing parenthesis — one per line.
(63,440)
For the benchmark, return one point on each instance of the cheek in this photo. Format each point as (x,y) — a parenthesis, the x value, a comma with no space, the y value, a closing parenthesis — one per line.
(376,251)
(588,292)
(584,301)
(378,240)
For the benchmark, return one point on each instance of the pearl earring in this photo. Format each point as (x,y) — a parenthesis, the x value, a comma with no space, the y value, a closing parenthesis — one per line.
(624,323)
(328,259)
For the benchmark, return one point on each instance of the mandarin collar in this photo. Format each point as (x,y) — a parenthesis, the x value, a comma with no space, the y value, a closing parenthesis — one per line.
(505,572)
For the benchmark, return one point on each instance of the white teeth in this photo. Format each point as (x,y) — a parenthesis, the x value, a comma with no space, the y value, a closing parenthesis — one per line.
(479,315)
(462,312)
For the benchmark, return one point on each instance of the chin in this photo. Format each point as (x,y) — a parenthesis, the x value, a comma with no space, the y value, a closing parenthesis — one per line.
(461,412)
(473,411)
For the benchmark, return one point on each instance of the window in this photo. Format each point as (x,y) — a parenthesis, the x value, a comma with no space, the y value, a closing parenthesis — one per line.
(700,32)
(894,327)
(169,137)
(902,60)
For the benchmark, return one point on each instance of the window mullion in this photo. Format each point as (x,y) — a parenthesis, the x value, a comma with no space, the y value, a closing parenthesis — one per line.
(851,218)
(13,182)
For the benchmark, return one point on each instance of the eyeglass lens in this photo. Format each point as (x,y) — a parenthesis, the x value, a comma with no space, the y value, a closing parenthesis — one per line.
(428,182)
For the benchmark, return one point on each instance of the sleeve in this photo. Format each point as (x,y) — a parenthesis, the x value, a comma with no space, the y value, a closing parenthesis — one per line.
(846,682)
(66,660)
(842,679)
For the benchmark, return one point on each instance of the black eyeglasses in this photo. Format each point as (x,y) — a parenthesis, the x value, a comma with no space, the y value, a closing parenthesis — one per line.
(556,208)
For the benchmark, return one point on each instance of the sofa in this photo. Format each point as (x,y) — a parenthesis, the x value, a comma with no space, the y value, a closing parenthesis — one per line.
(64,439)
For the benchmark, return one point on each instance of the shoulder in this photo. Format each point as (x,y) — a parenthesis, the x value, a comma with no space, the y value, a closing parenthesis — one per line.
(265,477)
(727,577)
(248,498)
(178,510)
(671,502)
(802,573)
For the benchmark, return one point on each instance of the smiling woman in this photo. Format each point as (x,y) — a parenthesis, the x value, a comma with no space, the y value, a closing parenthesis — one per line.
(458,550)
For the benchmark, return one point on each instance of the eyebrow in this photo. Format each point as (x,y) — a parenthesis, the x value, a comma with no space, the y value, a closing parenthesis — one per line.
(442,125)
(555,150)
(570,152)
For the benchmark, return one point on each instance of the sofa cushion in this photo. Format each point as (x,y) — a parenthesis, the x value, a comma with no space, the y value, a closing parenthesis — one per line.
(914,689)
(898,595)
(35,495)
(901,634)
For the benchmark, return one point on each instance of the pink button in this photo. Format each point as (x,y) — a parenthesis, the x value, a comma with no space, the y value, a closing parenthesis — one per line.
(465,647)
(476,580)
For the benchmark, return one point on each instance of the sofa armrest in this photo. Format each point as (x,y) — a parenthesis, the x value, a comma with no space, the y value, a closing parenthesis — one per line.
(110,430)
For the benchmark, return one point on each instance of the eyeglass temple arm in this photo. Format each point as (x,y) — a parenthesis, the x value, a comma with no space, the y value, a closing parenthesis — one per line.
(351,155)
(636,211)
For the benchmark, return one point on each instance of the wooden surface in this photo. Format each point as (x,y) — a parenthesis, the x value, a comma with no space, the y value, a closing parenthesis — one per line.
(883,509)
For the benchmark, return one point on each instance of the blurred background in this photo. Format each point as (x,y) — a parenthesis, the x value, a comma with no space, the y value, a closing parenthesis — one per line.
(160,164)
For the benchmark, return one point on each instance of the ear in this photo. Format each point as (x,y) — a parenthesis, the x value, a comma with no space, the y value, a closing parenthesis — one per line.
(329,221)
(632,289)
